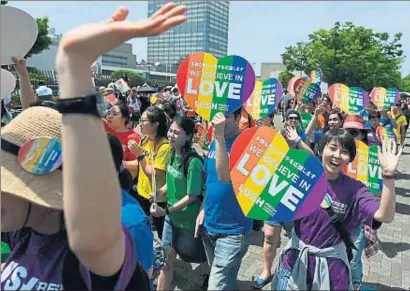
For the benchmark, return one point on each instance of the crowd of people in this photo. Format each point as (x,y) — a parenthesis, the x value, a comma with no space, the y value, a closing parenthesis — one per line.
(133,194)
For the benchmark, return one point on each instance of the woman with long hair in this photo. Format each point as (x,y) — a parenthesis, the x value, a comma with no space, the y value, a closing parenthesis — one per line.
(153,155)
(184,187)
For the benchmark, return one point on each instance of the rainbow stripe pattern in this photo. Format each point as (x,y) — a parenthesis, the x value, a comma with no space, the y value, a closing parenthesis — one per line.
(385,133)
(350,100)
(366,167)
(311,93)
(265,173)
(264,99)
(40,155)
(300,86)
(210,85)
(316,76)
(384,98)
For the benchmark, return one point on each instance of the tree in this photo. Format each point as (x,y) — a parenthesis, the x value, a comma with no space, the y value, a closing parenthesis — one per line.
(405,84)
(349,54)
(284,78)
(4,2)
(134,77)
(43,41)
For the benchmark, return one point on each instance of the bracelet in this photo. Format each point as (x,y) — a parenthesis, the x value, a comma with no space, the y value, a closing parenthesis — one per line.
(389,177)
(298,140)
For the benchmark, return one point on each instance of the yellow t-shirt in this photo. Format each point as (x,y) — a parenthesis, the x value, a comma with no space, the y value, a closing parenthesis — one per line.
(401,121)
(161,156)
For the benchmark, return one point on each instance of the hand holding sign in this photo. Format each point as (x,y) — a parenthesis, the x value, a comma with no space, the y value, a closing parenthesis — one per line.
(273,182)
(218,123)
(210,86)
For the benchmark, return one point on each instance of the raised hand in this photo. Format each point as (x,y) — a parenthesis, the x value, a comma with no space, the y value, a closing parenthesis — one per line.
(389,157)
(91,40)
(218,122)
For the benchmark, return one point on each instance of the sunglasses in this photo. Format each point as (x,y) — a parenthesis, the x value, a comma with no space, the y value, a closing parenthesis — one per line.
(293,118)
(355,132)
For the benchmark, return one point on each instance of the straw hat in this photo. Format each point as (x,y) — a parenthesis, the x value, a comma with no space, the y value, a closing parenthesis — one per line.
(44,190)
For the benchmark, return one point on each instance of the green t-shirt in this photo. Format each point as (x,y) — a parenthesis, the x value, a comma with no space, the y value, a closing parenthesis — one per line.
(178,186)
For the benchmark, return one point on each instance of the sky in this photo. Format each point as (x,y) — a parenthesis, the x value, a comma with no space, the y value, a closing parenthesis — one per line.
(259,31)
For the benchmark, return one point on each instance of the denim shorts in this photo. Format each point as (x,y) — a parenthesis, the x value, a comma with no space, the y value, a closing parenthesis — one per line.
(287,225)
(189,248)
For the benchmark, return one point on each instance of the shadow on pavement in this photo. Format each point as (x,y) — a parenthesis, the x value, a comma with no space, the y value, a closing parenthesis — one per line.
(403,191)
(391,249)
(378,286)
(402,176)
(402,208)
(257,238)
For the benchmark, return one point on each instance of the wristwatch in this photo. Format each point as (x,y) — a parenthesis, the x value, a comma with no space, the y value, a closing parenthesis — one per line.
(140,158)
(93,104)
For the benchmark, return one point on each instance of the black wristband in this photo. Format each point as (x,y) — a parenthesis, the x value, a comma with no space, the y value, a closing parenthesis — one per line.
(140,158)
(167,210)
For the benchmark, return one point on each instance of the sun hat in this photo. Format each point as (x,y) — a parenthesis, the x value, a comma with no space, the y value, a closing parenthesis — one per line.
(353,122)
(44,190)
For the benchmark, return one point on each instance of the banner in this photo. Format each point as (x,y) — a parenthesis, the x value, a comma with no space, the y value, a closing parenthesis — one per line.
(291,84)
(316,76)
(122,86)
(366,167)
(210,85)
(386,133)
(272,181)
(264,99)
(350,100)
(384,99)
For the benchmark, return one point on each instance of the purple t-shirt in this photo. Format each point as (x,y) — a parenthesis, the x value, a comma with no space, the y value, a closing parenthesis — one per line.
(356,206)
(40,265)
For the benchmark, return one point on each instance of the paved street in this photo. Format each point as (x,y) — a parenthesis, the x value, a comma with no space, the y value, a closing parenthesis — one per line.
(389,269)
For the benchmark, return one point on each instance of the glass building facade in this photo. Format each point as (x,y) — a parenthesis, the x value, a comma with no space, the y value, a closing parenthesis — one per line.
(206,30)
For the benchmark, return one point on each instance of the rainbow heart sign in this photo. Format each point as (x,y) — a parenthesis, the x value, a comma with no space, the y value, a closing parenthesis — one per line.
(316,76)
(264,99)
(300,86)
(272,181)
(305,119)
(350,100)
(384,98)
(366,167)
(311,93)
(291,84)
(200,134)
(210,85)
(385,133)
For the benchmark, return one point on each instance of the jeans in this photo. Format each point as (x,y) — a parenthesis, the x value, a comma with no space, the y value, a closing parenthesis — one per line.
(224,253)
(356,265)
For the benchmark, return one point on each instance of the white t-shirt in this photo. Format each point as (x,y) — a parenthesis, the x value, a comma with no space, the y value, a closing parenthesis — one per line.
(44,91)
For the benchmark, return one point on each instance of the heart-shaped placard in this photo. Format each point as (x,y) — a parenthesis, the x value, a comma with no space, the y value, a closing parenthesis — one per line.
(300,86)
(316,76)
(366,167)
(311,93)
(272,181)
(384,98)
(8,83)
(18,33)
(291,84)
(385,133)
(350,100)
(264,99)
(210,85)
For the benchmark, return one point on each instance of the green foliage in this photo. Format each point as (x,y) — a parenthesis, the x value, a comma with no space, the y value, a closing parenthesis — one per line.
(36,75)
(284,78)
(349,54)
(405,84)
(135,78)
(43,41)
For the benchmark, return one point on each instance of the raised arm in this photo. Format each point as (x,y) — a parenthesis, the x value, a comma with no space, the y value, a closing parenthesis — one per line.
(92,198)
(27,96)
(221,154)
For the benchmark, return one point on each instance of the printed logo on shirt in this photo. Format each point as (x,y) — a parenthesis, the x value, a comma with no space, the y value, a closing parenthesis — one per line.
(173,172)
(16,277)
(339,208)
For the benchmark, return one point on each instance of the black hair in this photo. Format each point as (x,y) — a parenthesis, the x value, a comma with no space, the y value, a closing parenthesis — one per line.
(41,83)
(169,108)
(374,114)
(188,126)
(155,114)
(124,176)
(45,103)
(287,106)
(272,115)
(327,116)
(341,136)
(237,112)
(125,111)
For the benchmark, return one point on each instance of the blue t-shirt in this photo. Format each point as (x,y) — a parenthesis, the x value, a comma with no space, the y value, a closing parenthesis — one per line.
(316,136)
(138,224)
(222,212)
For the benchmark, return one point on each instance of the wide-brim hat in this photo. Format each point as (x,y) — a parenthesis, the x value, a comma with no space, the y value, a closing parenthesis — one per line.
(44,190)
(354,122)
